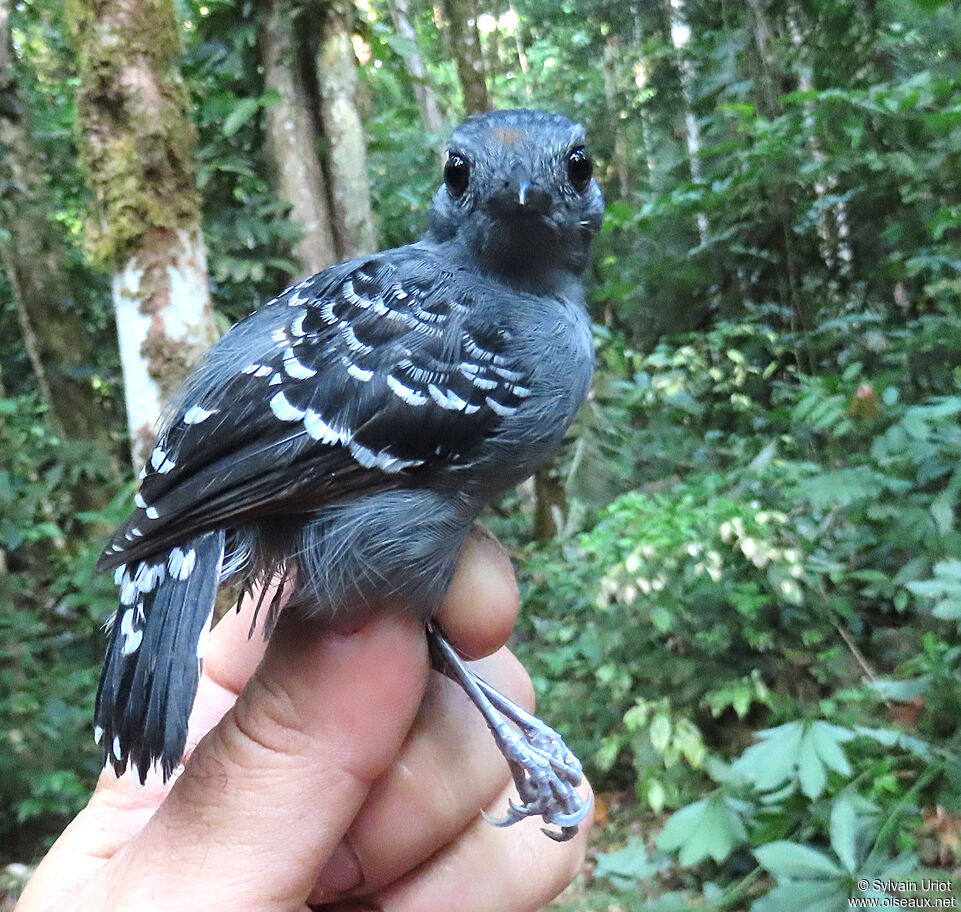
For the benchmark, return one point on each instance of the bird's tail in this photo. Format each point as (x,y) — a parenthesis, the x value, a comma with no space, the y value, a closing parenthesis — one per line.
(152,669)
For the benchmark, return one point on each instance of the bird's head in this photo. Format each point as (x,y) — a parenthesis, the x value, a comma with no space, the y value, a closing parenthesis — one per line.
(518,197)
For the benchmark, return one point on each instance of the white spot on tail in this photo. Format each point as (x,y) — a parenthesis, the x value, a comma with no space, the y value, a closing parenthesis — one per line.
(132,637)
(97,734)
(204,635)
(116,747)
(181,563)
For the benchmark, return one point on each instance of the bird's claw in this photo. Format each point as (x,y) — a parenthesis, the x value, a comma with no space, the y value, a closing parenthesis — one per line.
(545,771)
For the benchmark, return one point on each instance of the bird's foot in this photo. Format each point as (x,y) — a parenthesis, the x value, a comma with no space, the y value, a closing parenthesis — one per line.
(545,771)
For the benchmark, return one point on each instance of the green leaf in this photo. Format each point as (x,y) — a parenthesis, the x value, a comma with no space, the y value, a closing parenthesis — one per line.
(709,828)
(804,896)
(844,831)
(772,761)
(241,113)
(625,867)
(811,773)
(789,860)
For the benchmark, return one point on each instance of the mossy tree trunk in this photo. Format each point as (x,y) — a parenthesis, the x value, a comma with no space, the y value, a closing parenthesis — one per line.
(461,17)
(136,147)
(32,255)
(292,133)
(344,132)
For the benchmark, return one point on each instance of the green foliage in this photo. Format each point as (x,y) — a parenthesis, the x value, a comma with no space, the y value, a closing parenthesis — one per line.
(51,608)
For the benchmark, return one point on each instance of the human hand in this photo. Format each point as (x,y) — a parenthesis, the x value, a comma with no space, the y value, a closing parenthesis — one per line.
(342,770)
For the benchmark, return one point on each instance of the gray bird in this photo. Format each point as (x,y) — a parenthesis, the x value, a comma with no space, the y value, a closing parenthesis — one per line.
(341,441)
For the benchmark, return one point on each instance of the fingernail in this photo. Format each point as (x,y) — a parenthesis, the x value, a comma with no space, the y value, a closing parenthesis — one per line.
(341,873)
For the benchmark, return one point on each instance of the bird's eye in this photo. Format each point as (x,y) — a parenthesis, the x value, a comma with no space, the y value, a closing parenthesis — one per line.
(580,169)
(456,174)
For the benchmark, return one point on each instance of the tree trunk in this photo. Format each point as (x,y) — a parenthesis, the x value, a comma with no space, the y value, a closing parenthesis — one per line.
(33,258)
(137,149)
(414,61)
(292,139)
(680,35)
(465,45)
(833,230)
(346,143)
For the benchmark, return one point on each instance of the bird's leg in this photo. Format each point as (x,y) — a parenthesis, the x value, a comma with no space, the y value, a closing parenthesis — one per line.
(545,771)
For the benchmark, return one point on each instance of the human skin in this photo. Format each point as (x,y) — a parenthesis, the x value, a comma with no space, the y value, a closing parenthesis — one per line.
(344,776)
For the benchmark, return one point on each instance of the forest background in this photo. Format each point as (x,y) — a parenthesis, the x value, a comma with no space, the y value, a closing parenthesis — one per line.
(741,576)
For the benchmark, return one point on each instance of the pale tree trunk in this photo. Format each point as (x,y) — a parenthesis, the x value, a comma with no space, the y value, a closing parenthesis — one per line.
(833,229)
(33,258)
(292,139)
(680,35)
(466,48)
(764,40)
(137,148)
(522,61)
(414,61)
(346,144)
(612,49)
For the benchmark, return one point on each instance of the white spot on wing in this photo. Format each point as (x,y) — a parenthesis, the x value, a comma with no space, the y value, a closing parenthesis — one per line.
(447,399)
(382,460)
(498,408)
(281,407)
(139,501)
(196,414)
(410,396)
(97,734)
(295,368)
(297,326)
(320,430)
(358,373)
(151,513)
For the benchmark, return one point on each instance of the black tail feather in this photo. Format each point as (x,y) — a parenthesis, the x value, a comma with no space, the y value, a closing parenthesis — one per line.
(152,668)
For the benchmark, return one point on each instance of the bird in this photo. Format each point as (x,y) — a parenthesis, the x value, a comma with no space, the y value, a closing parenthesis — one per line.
(341,441)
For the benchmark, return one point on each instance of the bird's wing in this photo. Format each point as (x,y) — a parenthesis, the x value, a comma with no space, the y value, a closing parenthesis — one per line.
(356,379)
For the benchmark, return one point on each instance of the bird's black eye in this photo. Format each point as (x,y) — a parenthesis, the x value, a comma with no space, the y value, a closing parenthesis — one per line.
(580,169)
(456,174)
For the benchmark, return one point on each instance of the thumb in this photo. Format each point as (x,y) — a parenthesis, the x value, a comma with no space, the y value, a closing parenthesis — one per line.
(268,794)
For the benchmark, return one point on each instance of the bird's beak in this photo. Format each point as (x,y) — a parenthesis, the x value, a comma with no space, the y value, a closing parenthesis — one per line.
(521,196)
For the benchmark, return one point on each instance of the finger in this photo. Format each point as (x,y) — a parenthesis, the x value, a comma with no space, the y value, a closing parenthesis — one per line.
(488,869)
(480,608)
(269,793)
(448,770)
